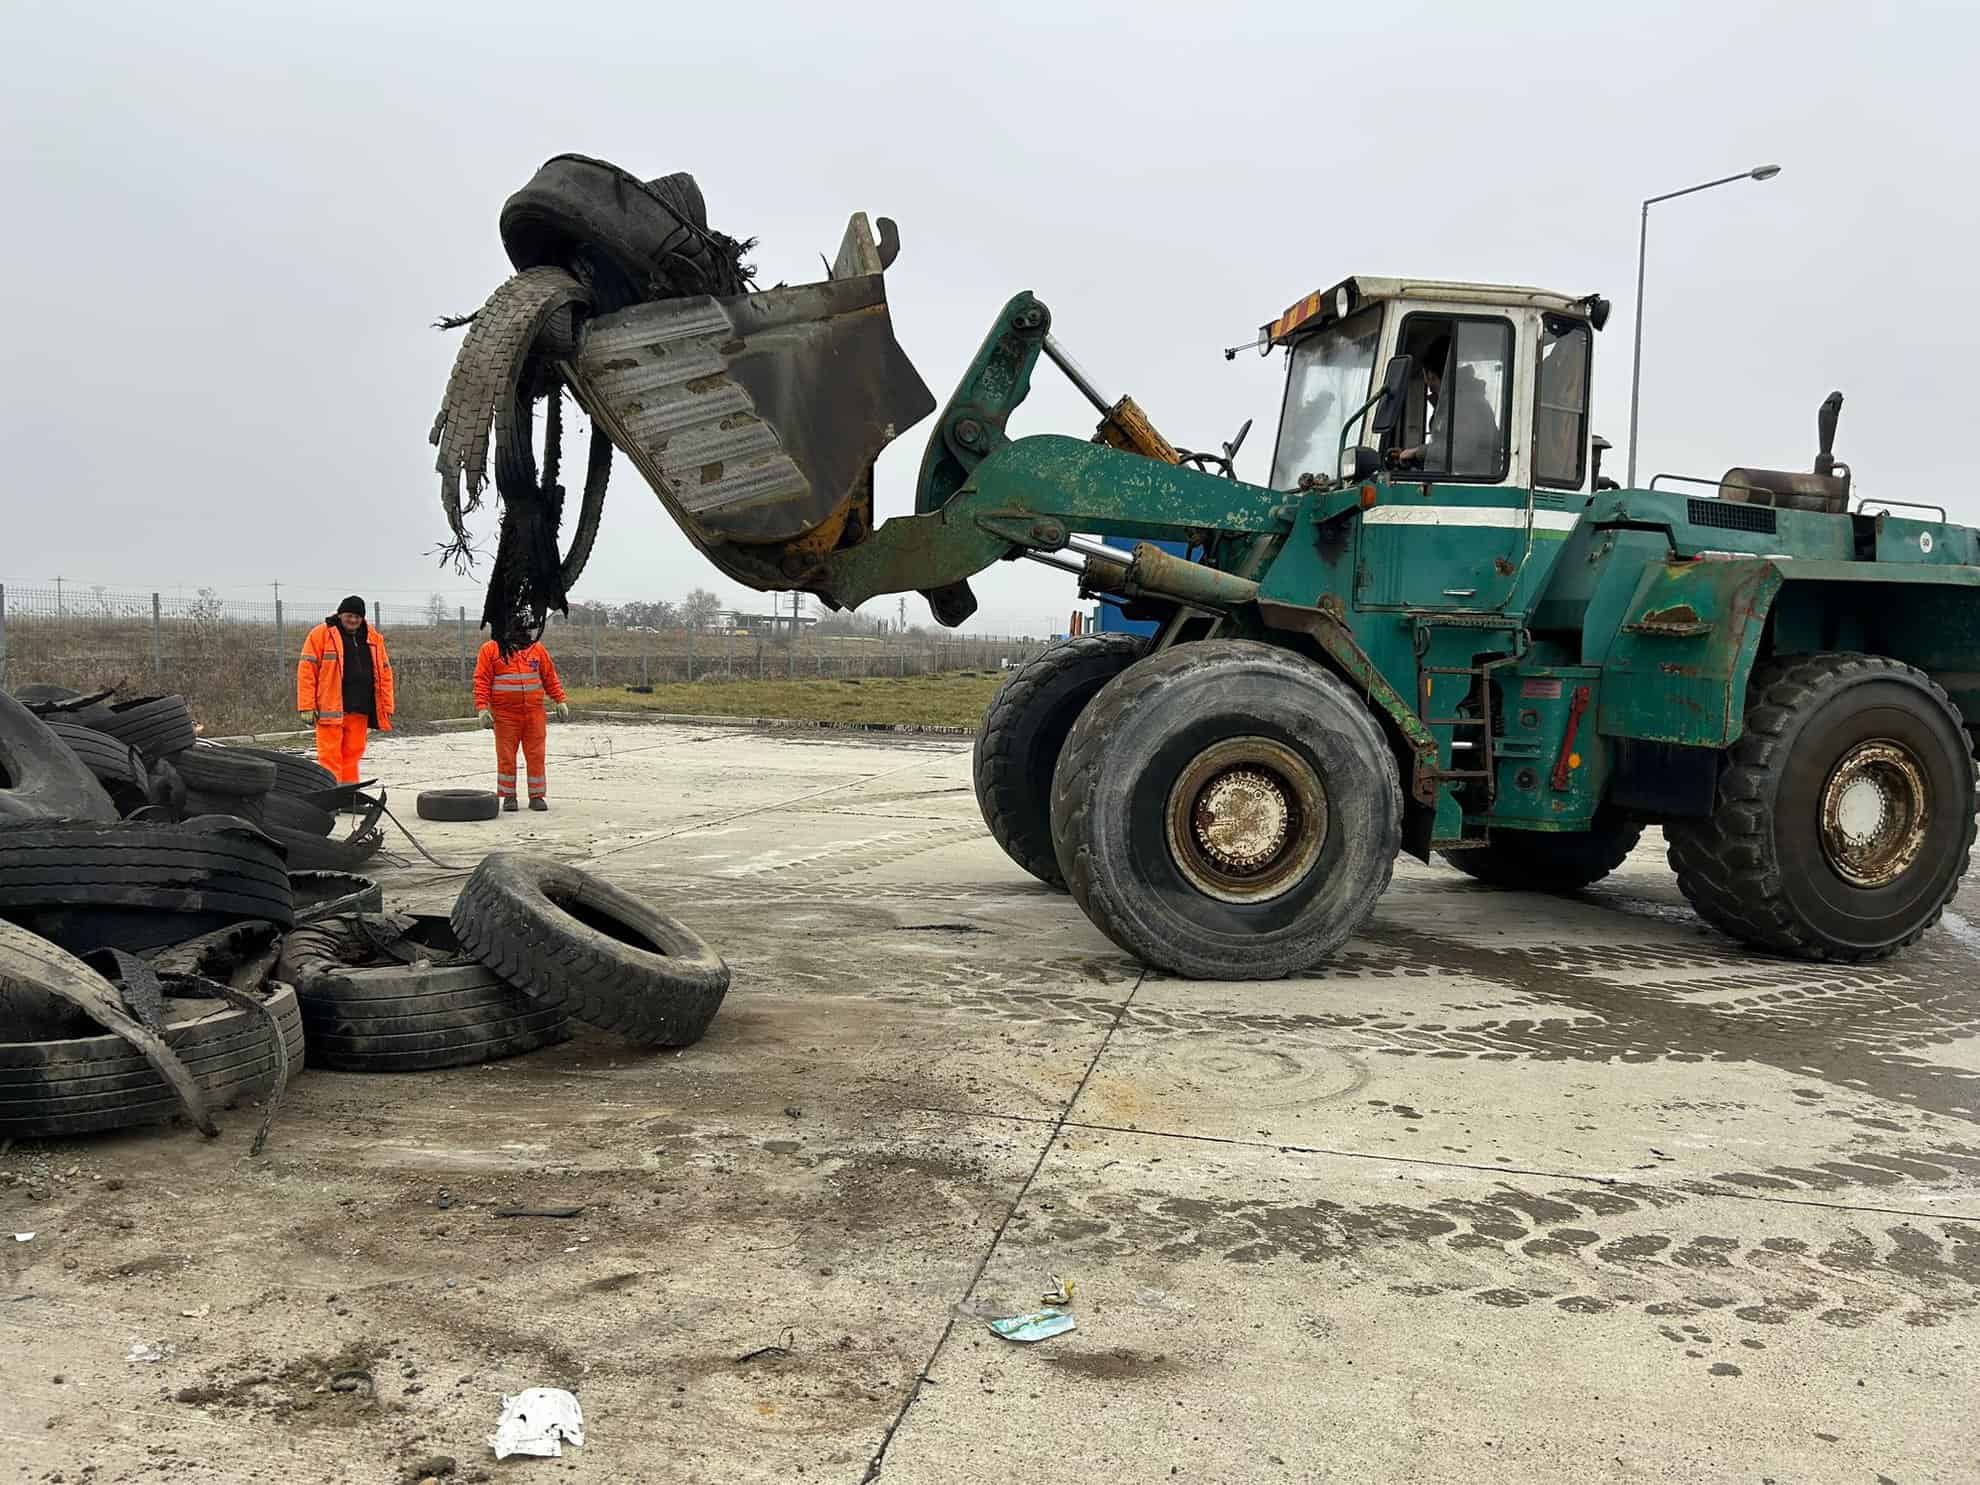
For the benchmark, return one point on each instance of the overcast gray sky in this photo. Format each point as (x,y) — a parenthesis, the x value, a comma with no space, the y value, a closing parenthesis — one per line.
(232,225)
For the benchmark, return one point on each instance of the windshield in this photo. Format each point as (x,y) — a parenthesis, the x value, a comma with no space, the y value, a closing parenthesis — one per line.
(1326,385)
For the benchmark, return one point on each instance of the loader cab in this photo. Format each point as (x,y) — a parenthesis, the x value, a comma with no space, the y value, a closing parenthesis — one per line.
(1497,394)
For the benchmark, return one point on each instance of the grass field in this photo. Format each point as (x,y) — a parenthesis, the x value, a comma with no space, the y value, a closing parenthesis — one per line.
(953,699)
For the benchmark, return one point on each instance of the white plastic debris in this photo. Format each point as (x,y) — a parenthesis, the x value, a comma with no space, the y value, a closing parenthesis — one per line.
(23,1237)
(151,1352)
(539,1421)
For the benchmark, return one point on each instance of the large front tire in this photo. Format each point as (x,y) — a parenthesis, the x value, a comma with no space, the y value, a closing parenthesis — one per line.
(1025,730)
(1227,810)
(1845,814)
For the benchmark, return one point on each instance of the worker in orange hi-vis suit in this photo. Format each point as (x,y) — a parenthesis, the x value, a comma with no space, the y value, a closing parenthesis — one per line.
(344,687)
(509,695)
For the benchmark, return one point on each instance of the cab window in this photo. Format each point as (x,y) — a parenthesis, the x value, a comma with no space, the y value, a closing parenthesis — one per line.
(1456,424)
(1560,411)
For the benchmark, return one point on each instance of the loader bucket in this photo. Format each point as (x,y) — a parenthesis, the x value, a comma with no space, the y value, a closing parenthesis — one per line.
(756,419)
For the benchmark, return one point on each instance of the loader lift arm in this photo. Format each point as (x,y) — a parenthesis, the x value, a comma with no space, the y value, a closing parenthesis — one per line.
(984,497)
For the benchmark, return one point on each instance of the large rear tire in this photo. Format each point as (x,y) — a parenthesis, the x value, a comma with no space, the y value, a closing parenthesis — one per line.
(1845,813)
(1024,732)
(1550,861)
(1227,810)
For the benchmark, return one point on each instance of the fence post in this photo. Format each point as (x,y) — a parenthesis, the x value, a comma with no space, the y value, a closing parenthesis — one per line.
(645,652)
(281,641)
(690,654)
(594,648)
(3,634)
(157,638)
(464,657)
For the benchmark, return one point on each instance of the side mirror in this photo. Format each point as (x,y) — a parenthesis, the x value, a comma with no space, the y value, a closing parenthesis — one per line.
(1359,464)
(1395,396)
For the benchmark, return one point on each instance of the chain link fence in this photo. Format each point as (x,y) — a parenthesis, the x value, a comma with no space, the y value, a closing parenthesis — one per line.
(235,661)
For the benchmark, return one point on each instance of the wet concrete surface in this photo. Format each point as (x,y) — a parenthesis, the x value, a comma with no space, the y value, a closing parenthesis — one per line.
(1518,1188)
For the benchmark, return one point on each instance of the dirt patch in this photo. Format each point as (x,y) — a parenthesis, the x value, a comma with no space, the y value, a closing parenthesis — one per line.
(1118,1365)
(308,1392)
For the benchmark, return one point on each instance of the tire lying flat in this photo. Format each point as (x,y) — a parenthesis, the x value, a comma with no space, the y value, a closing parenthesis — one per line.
(287,812)
(95,1081)
(616,962)
(365,1010)
(457,804)
(157,726)
(295,773)
(140,887)
(211,769)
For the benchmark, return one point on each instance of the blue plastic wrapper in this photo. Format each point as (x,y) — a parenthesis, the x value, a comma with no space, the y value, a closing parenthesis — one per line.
(1039,1325)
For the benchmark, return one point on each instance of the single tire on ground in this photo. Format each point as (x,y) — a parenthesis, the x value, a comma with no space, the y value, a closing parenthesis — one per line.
(1551,861)
(457,804)
(616,962)
(1227,810)
(389,993)
(1845,812)
(114,763)
(334,894)
(40,777)
(140,886)
(88,1080)
(157,726)
(213,770)
(1024,732)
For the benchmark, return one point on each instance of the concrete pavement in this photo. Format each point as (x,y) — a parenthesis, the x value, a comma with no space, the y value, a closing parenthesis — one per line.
(1517,1189)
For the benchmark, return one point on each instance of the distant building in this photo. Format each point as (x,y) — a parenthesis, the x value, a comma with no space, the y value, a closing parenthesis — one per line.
(736,621)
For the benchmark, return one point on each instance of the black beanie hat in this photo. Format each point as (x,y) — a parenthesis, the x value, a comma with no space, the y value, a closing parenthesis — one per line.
(352,605)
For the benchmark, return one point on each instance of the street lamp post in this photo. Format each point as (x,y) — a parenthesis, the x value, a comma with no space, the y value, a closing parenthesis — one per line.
(1758,172)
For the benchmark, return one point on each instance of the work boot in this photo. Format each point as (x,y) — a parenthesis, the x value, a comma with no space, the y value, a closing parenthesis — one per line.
(538,802)
(509,802)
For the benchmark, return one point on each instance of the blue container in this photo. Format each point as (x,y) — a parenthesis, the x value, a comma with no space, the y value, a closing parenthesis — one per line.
(1111,619)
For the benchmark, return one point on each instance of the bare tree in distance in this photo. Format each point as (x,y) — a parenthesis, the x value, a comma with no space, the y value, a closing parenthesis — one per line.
(649,614)
(436,610)
(699,608)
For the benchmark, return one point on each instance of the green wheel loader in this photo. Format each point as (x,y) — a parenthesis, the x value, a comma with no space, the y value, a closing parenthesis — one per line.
(1435,627)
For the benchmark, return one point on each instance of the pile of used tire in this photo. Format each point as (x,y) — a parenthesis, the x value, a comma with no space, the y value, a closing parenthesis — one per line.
(149,764)
(163,953)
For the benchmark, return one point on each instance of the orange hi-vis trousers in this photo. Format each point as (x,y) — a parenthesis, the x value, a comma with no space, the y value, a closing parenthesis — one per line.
(525,725)
(340,744)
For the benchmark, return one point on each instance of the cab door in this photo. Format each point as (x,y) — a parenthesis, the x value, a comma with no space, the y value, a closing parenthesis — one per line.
(1450,530)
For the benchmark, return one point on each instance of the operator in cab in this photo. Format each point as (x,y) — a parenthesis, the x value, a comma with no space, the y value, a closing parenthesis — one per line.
(1467,410)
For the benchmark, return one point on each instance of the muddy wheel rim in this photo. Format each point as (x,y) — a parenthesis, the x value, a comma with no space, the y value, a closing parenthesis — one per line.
(1246,820)
(1875,805)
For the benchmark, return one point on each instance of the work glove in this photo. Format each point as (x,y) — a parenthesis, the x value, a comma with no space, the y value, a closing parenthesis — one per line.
(307,715)
(487,717)
(563,711)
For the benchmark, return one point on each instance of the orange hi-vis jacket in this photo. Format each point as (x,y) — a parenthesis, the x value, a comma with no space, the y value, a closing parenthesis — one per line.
(320,674)
(515,683)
